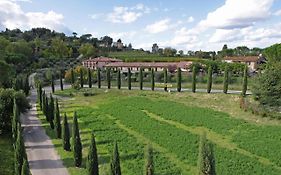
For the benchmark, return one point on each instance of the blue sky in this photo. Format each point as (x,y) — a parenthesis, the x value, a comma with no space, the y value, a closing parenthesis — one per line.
(181,24)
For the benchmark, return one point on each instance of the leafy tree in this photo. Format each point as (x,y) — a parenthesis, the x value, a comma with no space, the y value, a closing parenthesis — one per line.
(273,53)
(194,79)
(88,50)
(92,160)
(90,78)
(99,78)
(245,77)
(57,120)
(25,168)
(115,162)
(129,79)
(179,79)
(206,159)
(119,79)
(210,77)
(152,79)
(141,78)
(225,80)
(76,142)
(108,78)
(51,111)
(53,84)
(81,78)
(168,51)
(72,77)
(6,74)
(149,162)
(165,79)
(65,134)
(58,49)
(61,81)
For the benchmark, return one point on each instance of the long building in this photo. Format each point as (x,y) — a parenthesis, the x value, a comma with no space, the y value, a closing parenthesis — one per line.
(99,62)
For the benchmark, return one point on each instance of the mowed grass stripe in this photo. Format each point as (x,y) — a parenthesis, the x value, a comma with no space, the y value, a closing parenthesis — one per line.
(186,168)
(217,139)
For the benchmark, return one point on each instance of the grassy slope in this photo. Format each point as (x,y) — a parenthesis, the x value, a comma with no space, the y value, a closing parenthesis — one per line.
(109,125)
(7,156)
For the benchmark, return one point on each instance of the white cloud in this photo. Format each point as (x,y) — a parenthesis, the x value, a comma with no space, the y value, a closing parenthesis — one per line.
(12,16)
(126,35)
(238,14)
(190,19)
(96,16)
(21,1)
(159,26)
(184,36)
(278,13)
(127,15)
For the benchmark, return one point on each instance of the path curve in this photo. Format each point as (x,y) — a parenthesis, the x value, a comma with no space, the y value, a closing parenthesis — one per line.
(42,156)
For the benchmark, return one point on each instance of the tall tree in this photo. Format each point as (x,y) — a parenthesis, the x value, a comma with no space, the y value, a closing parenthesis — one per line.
(15,120)
(108,78)
(26,85)
(152,79)
(65,134)
(53,84)
(179,79)
(99,77)
(25,168)
(39,95)
(51,111)
(129,79)
(61,80)
(194,79)
(57,120)
(19,151)
(119,79)
(46,112)
(92,160)
(141,78)
(115,162)
(206,159)
(225,79)
(210,79)
(245,81)
(72,76)
(81,78)
(90,78)
(165,79)
(76,142)
(149,161)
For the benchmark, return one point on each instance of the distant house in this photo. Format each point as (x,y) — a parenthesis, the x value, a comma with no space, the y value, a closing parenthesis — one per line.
(251,61)
(99,62)
(158,66)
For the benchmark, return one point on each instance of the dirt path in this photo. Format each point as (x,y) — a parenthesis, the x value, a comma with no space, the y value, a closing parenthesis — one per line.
(42,156)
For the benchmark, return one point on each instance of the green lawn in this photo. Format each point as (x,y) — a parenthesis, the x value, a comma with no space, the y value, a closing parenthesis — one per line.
(172,124)
(7,155)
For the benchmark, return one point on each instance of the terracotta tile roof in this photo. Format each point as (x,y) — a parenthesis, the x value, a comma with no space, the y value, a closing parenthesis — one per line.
(242,58)
(183,64)
(102,59)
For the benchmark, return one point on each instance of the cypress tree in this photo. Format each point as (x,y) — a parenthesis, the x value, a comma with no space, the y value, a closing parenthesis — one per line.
(46,112)
(152,79)
(92,160)
(53,84)
(26,86)
(108,78)
(225,80)
(210,79)
(51,111)
(206,159)
(43,98)
(245,81)
(141,78)
(99,78)
(179,79)
(25,168)
(61,81)
(165,79)
(119,79)
(81,78)
(149,162)
(194,79)
(39,95)
(65,134)
(76,142)
(115,162)
(19,151)
(129,79)
(90,78)
(15,121)
(72,77)
(57,120)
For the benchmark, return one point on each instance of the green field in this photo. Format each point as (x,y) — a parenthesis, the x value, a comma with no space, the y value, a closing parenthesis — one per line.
(7,155)
(172,123)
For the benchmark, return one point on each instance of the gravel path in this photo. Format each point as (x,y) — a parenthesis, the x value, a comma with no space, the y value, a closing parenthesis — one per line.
(42,156)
